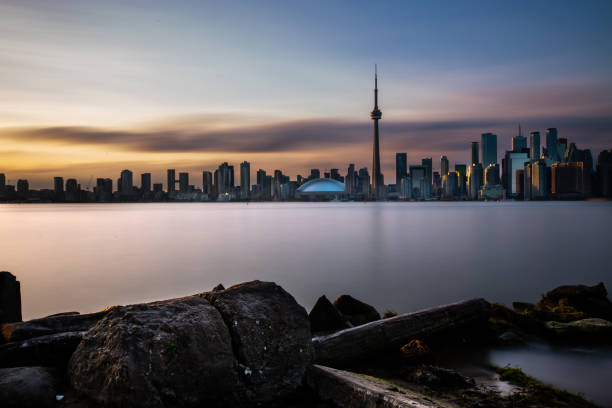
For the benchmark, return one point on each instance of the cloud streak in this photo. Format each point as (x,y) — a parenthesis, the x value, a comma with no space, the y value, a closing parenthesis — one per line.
(309,135)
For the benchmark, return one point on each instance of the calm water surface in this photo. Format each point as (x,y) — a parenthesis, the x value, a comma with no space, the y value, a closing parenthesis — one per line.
(401,256)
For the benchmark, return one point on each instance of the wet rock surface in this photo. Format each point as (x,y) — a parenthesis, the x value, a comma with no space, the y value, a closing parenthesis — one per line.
(59,323)
(270,335)
(169,353)
(325,318)
(27,387)
(355,311)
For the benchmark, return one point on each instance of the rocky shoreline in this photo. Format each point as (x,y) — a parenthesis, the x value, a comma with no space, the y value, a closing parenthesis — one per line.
(253,345)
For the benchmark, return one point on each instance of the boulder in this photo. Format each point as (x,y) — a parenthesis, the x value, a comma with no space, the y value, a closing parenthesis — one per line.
(354,311)
(578,300)
(60,323)
(27,387)
(324,317)
(51,350)
(270,335)
(163,354)
(586,330)
(10,298)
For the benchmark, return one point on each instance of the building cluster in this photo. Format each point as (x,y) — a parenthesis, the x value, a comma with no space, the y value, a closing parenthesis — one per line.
(527,172)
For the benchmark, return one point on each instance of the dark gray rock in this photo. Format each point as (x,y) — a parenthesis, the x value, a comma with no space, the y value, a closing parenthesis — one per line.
(50,325)
(355,311)
(10,298)
(523,306)
(270,335)
(52,350)
(324,317)
(510,339)
(27,387)
(163,354)
(434,376)
(218,287)
(577,302)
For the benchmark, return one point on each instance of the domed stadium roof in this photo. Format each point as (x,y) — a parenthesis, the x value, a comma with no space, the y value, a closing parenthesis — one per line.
(322,185)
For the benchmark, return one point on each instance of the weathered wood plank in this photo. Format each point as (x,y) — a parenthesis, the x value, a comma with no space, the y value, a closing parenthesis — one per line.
(348,345)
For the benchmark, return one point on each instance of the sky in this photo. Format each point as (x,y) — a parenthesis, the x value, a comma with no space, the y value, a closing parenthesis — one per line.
(88,88)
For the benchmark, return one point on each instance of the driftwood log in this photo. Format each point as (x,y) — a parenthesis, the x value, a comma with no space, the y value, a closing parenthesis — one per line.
(347,389)
(346,346)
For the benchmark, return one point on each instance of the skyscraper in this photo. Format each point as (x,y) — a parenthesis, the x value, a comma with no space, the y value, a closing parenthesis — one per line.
(224,179)
(58,186)
(401,168)
(126,181)
(475,177)
(2,181)
(474,151)
(376,115)
(245,180)
(489,149)
(145,183)
(552,151)
(427,163)
(519,142)
(207,184)
(183,182)
(443,166)
(534,146)
(171,180)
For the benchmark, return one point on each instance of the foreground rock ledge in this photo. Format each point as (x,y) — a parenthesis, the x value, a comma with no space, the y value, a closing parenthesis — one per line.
(242,346)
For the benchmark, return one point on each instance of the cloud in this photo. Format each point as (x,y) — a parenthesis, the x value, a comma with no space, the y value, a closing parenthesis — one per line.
(309,135)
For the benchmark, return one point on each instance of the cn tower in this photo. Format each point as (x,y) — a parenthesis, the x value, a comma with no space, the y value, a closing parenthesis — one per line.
(375,115)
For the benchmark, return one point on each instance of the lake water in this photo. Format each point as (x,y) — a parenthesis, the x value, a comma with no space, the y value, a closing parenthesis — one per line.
(401,256)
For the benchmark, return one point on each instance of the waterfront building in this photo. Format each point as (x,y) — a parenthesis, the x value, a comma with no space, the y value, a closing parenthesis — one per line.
(183,182)
(474,152)
(376,115)
(489,149)
(406,188)
(73,190)
(462,182)
(103,190)
(604,173)
(2,181)
(568,180)
(145,183)
(245,180)
(520,182)
(552,150)
(351,180)
(418,174)
(207,183)
(314,174)
(534,146)
(58,188)
(513,162)
(561,148)
(126,182)
(450,184)
(23,187)
(171,180)
(427,163)
(527,181)
(443,166)
(539,179)
(289,190)
(401,167)
(492,192)
(519,143)
(475,177)
(224,179)
(321,188)
(491,175)
(364,182)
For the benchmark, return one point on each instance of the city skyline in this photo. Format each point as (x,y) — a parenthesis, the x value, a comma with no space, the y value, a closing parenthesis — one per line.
(173,87)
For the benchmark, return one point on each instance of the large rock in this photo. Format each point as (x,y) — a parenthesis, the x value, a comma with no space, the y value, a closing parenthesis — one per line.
(324,317)
(577,302)
(27,387)
(52,350)
(10,298)
(59,323)
(163,354)
(270,335)
(355,311)
(587,330)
